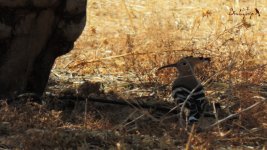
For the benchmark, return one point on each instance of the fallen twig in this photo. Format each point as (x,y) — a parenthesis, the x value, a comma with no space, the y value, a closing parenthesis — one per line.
(165,107)
(122,55)
(190,138)
(238,113)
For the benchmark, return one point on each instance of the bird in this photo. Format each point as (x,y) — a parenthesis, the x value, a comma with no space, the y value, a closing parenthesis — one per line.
(186,87)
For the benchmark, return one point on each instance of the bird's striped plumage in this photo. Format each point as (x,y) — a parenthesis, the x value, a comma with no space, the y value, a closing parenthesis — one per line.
(186,83)
(196,101)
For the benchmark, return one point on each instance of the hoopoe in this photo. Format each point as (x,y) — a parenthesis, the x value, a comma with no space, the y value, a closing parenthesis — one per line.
(186,83)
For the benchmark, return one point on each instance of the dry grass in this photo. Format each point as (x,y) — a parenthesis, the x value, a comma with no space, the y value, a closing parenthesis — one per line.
(123,44)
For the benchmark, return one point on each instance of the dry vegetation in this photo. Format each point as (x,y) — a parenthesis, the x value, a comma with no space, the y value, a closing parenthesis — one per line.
(123,44)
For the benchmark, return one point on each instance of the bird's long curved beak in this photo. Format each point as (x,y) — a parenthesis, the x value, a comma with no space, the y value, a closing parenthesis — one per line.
(167,66)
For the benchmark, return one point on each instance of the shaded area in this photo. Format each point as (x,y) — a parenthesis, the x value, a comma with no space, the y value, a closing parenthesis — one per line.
(67,123)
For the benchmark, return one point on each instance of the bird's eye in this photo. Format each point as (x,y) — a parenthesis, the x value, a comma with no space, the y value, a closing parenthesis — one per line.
(184,63)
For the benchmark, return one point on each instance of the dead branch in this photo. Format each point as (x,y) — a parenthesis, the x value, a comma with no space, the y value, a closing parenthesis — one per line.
(124,55)
(190,138)
(165,107)
(238,113)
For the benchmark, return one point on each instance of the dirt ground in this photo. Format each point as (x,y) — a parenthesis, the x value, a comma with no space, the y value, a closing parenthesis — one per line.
(67,120)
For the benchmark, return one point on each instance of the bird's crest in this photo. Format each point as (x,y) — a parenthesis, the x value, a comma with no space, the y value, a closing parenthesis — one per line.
(186,63)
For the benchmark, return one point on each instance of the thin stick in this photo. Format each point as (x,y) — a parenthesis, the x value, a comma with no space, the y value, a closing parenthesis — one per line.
(124,121)
(137,118)
(85,112)
(236,114)
(190,138)
(129,15)
(216,115)
(124,55)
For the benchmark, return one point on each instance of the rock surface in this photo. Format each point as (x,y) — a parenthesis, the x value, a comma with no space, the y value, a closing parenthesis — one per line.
(33,33)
